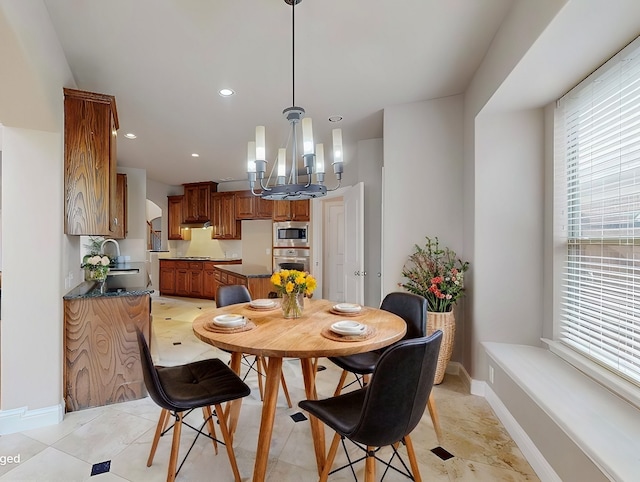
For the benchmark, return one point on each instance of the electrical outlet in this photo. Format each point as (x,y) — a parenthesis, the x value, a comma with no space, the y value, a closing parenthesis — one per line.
(490,374)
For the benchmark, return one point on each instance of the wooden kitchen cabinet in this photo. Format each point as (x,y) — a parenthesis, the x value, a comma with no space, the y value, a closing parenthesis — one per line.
(249,206)
(209,284)
(101,356)
(197,201)
(189,279)
(292,210)
(90,161)
(223,216)
(167,277)
(259,287)
(175,215)
(193,279)
(121,208)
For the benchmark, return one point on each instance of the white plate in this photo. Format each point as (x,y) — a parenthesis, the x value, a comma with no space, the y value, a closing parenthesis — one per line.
(229,320)
(347,307)
(263,303)
(348,327)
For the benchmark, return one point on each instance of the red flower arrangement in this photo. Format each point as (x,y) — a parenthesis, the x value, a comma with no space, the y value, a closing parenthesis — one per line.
(436,274)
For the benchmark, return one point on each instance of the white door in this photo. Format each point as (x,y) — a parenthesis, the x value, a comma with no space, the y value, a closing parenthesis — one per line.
(334,261)
(354,244)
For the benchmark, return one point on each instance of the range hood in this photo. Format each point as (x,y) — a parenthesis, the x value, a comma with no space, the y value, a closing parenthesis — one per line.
(203,225)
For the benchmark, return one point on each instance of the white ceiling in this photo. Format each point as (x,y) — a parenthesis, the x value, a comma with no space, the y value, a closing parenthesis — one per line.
(165,60)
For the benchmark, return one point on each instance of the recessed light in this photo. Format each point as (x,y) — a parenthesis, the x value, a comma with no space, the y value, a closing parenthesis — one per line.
(130,135)
(226,92)
(335,118)
(195,155)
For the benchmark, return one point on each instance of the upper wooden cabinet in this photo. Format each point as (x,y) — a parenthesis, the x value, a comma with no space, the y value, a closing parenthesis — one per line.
(249,206)
(197,201)
(223,216)
(291,210)
(175,215)
(121,208)
(90,137)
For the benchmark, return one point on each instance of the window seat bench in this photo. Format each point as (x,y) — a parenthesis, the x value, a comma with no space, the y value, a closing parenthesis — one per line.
(602,425)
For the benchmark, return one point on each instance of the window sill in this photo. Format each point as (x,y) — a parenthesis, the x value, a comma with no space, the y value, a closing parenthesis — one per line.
(605,427)
(624,389)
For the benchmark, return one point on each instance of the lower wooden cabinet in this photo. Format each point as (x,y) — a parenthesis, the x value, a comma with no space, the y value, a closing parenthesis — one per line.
(191,279)
(101,356)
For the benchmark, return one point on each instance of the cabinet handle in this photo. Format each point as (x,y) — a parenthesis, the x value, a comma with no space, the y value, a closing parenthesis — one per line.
(115,221)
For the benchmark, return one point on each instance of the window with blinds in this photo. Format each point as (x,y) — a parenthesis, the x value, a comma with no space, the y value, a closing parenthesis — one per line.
(597,201)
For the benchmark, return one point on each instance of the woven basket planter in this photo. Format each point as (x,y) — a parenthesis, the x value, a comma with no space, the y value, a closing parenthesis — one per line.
(445,322)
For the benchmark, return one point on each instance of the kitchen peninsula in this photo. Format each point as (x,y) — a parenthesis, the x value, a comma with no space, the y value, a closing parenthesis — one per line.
(256,278)
(102,360)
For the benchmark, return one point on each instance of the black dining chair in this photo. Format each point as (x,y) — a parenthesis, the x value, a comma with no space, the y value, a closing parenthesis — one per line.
(412,309)
(231,295)
(179,390)
(386,410)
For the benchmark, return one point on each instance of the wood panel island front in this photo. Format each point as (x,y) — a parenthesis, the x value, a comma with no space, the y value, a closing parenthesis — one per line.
(101,356)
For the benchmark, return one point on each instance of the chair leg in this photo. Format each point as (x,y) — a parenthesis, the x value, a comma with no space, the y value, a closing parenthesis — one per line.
(330,457)
(206,413)
(164,417)
(175,447)
(370,466)
(343,377)
(285,390)
(262,368)
(228,444)
(431,404)
(412,459)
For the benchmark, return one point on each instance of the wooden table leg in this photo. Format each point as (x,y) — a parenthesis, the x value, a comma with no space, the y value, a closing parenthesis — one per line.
(317,428)
(274,370)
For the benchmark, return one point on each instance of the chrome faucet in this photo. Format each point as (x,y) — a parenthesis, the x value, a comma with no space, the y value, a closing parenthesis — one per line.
(110,241)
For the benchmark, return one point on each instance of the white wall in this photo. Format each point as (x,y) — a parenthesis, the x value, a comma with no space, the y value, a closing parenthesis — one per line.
(34,267)
(135,244)
(422,187)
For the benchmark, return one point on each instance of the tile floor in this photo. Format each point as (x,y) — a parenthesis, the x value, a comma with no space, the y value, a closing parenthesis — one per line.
(118,437)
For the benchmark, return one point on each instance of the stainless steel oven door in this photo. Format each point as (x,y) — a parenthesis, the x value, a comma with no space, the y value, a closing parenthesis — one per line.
(290,258)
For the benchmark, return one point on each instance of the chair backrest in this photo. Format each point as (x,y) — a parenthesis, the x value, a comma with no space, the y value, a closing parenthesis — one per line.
(231,295)
(411,308)
(397,395)
(150,374)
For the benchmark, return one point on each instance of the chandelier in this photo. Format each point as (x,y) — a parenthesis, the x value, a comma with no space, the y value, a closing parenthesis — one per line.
(286,185)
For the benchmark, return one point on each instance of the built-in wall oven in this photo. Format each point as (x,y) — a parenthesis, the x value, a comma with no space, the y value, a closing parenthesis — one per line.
(291,258)
(291,234)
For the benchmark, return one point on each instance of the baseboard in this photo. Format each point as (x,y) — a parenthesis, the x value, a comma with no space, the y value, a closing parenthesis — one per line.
(21,419)
(537,461)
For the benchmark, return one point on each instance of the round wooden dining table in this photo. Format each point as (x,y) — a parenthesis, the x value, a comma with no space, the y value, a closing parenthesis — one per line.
(307,338)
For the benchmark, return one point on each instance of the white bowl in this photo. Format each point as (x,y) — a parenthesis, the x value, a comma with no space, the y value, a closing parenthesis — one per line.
(348,327)
(347,307)
(229,320)
(262,303)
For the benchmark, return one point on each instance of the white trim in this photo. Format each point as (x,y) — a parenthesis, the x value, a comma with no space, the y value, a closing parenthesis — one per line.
(537,461)
(21,419)
(618,385)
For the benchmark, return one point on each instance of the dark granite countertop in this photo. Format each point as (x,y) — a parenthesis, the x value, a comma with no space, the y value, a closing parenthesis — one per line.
(93,289)
(247,270)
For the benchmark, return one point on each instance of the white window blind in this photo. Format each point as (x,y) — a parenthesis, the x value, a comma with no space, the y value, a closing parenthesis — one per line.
(597,197)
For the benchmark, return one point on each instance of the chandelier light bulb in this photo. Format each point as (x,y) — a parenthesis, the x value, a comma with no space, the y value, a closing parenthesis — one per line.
(251,156)
(337,145)
(307,136)
(319,159)
(282,163)
(261,150)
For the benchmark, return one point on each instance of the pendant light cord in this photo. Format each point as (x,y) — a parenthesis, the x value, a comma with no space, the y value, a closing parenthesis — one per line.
(293,53)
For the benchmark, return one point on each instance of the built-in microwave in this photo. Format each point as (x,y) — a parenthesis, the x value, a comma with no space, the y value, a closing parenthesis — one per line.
(291,234)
